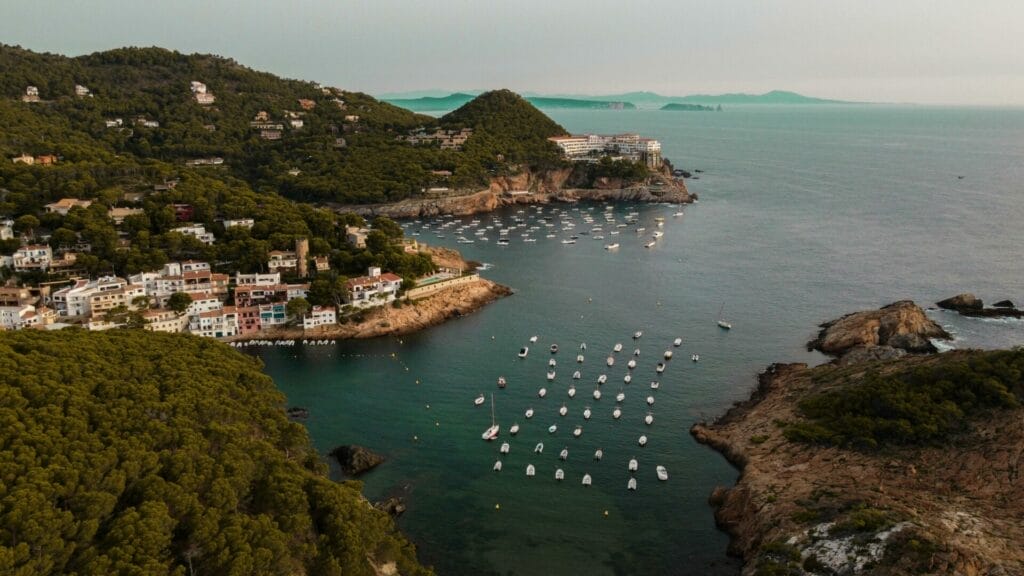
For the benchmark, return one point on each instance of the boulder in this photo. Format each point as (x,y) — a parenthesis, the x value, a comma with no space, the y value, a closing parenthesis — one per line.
(961,302)
(394,506)
(355,459)
(902,325)
(1004,304)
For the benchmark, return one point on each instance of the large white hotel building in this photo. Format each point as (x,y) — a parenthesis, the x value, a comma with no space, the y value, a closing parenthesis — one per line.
(590,146)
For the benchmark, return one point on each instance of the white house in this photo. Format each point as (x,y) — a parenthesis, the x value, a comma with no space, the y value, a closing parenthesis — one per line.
(282,261)
(215,324)
(240,222)
(33,257)
(77,299)
(373,289)
(7,230)
(15,317)
(64,205)
(197,231)
(272,279)
(320,316)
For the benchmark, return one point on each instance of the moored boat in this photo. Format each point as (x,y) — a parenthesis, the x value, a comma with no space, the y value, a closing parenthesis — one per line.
(597,394)
(650,400)
(505,448)
(539,448)
(618,347)
(530,470)
(631,484)
(649,419)
(602,379)
(668,354)
(553,428)
(642,441)
(617,413)
(586,480)
(542,392)
(564,454)
(497,466)
(514,429)
(501,382)
(627,378)
(654,384)
(598,454)
(577,431)
(524,351)
(479,400)
(633,465)
(610,361)
(559,475)
(677,342)
(660,367)
(563,410)
(662,473)
(586,413)
(529,413)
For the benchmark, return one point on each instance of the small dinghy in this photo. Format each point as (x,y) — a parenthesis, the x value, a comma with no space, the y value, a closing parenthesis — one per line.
(497,466)
(501,382)
(598,454)
(539,448)
(586,413)
(553,428)
(618,347)
(627,378)
(631,484)
(597,394)
(631,364)
(530,470)
(576,375)
(563,410)
(505,448)
(478,400)
(642,441)
(551,376)
(602,379)
(583,345)
(572,391)
(552,362)
(660,368)
(529,412)
(554,348)
(650,400)
(524,351)
(617,413)
(695,357)
(654,385)
(636,352)
(637,335)
(514,429)
(633,465)
(649,419)
(668,354)
(579,358)
(559,475)
(577,431)
(610,361)
(677,342)
(564,454)
(586,480)
(533,339)
(662,473)
(542,392)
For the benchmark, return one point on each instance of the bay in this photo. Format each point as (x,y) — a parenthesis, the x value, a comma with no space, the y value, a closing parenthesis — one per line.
(806,213)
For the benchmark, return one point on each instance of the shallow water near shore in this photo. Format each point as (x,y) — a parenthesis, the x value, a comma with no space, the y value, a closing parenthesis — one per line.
(805,214)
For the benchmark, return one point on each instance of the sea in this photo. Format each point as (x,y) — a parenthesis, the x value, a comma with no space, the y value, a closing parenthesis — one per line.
(806,213)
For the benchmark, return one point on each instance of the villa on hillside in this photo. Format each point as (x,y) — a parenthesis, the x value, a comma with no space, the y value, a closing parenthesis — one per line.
(373,289)
(591,147)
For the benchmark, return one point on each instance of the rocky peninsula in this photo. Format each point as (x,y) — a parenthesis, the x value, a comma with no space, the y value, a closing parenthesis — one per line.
(937,497)
(968,304)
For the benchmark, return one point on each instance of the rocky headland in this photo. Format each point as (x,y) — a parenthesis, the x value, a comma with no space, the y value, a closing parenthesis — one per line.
(930,497)
(968,304)
(541,188)
(889,332)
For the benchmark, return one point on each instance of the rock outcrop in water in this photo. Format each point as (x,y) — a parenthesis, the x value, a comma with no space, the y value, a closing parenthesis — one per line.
(889,332)
(800,508)
(355,459)
(968,304)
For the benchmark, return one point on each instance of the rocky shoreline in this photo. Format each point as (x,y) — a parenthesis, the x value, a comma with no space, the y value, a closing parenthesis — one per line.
(804,508)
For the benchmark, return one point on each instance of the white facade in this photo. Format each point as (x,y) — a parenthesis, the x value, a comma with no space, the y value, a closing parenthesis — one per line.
(241,222)
(320,316)
(216,324)
(33,257)
(632,145)
(197,231)
(373,290)
(7,230)
(272,279)
(14,317)
(282,260)
(76,300)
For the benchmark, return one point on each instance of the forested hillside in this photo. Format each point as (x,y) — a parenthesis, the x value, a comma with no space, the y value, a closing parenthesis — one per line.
(167,454)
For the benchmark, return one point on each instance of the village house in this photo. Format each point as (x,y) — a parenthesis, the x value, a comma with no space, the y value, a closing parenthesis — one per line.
(202,302)
(119,214)
(82,91)
(197,231)
(321,263)
(306,104)
(162,320)
(77,299)
(33,257)
(249,320)
(282,261)
(46,160)
(319,316)
(64,205)
(239,222)
(272,279)
(255,295)
(7,230)
(275,314)
(356,236)
(373,289)
(352,118)
(211,161)
(221,323)
(271,134)
(31,94)
(114,123)
(16,317)
(18,295)
(296,123)
(24,159)
(103,300)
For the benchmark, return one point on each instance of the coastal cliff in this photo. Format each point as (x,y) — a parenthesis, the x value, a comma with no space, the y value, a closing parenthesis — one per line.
(541,188)
(874,487)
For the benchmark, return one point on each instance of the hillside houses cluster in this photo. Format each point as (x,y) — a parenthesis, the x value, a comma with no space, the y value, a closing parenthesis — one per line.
(446,139)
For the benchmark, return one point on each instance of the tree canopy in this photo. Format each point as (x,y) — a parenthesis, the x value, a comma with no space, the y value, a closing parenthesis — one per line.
(129,452)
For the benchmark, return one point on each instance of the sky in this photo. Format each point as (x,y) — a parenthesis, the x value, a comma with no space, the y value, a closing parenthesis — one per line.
(922,51)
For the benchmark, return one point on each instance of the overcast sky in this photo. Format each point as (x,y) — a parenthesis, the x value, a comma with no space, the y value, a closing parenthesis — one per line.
(928,51)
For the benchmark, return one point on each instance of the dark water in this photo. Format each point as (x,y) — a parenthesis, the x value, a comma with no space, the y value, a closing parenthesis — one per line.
(805,214)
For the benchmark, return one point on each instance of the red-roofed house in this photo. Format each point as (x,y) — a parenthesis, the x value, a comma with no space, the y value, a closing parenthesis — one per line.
(374,289)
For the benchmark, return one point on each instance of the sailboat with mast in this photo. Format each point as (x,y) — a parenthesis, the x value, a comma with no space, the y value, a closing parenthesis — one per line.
(721,320)
(492,432)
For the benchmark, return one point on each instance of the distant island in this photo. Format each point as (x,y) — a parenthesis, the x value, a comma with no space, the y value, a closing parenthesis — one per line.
(458,99)
(773,97)
(683,107)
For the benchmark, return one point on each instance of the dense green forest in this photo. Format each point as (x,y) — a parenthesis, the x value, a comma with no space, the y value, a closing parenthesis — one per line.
(347,150)
(917,405)
(167,454)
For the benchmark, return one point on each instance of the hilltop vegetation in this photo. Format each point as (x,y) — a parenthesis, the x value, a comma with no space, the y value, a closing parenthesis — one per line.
(153,454)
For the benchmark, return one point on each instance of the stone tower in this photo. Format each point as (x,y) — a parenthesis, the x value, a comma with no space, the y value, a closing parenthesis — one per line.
(302,256)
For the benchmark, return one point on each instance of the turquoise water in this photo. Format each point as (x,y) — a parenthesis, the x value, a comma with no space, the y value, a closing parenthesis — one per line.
(805,214)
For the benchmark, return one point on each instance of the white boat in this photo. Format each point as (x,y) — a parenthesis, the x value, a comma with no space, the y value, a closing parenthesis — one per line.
(572,391)
(650,400)
(598,454)
(576,375)
(564,454)
(586,480)
(552,362)
(559,475)
(677,214)
(552,429)
(577,431)
(530,470)
(662,473)
(660,368)
(637,334)
(554,348)
(514,429)
(668,354)
(502,382)
(654,384)
(524,351)
(583,345)
(695,357)
(568,241)
(636,352)
(650,244)
(479,400)
(633,465)
(505,448)
(649,419)
(597,394)
(620,396)
(497,466)
(551,375)
(610,361)
(617,413)
(533,339)
(529,413)
(602,379)
(542,392)
(563,410)
(631,364)
(492,432)
(618,347)
(721,321)
(657,234)
(677,342)
(627,378)
(579,358)
(586,413)
(612,246)
(631,484)
(642,441)
(539,448)
(641,228)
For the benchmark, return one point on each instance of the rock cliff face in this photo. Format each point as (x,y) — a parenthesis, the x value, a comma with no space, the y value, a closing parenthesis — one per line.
(954,509)
(355,459)
(551,186)
(895,329)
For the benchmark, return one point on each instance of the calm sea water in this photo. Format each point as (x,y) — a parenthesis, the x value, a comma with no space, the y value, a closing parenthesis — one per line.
(805,214)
